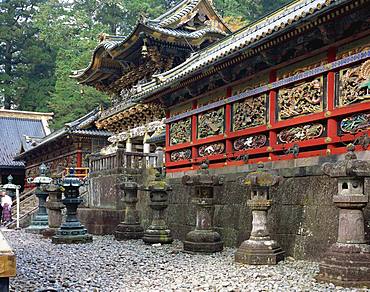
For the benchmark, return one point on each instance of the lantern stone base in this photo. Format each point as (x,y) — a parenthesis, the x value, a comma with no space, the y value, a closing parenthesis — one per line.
(70,236)
(259,252)
(128,231)
(203,241)
(49,232)
(346,265)
(152,235)
(38,224)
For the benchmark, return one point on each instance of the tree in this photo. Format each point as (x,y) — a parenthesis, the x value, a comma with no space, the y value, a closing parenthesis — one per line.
(26,63)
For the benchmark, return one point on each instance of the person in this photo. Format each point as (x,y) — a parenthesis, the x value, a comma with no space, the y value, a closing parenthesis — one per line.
(6,204)
(2,192)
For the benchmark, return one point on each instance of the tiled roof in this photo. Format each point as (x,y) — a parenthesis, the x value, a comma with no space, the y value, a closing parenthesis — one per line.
(84,126)
(12,131)
(248,36)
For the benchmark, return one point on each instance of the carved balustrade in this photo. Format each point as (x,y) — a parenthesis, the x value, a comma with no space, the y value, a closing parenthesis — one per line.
(318,104)
(123,159)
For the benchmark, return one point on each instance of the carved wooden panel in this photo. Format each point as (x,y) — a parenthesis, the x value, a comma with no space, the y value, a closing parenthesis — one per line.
(301,99)
(180,132)
(211,123)
(250,112)
(301,133)
(356,123)
(211,149)
(183,154)
(354,84)
(250,142)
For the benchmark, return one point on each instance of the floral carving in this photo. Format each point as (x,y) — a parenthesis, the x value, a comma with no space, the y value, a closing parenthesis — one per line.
(181,155)
(249,113)
(302,99)
(211,123)
(301,133)
(251,142)
(354,84)
(211,149)
(355,123)
(180,132)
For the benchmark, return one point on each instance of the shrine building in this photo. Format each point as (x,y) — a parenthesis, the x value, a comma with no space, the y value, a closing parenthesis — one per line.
(64,148)
(289,90)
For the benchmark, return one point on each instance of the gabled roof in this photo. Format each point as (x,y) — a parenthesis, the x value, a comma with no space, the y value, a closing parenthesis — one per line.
(248,37)
(14,125)
(84,126)
(175,27)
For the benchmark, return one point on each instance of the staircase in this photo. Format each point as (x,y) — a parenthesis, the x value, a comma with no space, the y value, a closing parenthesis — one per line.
(28,206)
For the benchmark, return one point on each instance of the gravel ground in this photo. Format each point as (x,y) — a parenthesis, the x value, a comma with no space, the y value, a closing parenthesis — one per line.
(109,265)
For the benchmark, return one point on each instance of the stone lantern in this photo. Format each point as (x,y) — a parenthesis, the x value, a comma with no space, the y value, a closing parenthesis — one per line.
(71,231)
(54,206)
(158,232)
(40,221)
(347,262)
(204,239)
(10,187)
(130,228)
(260,249)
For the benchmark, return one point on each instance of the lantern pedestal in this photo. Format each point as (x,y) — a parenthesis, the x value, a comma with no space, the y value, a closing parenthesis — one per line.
(55,206)
(40,221)
(203,239)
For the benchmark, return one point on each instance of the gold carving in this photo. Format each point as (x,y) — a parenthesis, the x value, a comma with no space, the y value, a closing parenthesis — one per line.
(180,132)
(354,84)
(301,99)
(250,112)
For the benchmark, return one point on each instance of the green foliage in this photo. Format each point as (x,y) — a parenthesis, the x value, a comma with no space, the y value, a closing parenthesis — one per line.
(43,41)
(26,63)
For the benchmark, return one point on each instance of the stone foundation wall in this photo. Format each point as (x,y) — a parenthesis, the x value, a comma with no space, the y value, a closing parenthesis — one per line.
(303,218)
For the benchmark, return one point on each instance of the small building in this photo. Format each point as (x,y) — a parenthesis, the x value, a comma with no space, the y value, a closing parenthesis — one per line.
(15,127)
(65,148)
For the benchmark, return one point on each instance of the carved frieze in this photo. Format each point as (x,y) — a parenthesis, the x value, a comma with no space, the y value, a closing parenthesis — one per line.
(250,142)
(356,123)
(250,112)
(183,154)
(354,84)
(211,149)
(211,123)
(301,99)
(180,132)
(301,133)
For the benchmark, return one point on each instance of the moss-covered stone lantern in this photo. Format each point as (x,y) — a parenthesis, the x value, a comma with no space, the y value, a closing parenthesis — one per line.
(54,206)
(260,249)
(347,262)
(158,231)
(204,239)
(130,228)
(40,220)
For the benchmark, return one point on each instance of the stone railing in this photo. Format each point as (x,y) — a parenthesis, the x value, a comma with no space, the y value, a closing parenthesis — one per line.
(123,159)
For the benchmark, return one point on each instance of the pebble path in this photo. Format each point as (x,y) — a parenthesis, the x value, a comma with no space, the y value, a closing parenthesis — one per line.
(109,265)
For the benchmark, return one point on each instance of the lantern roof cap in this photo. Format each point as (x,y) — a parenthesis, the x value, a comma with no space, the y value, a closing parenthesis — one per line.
(349,167)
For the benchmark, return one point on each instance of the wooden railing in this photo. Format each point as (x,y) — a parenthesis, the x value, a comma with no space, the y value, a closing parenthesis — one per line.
(123,159)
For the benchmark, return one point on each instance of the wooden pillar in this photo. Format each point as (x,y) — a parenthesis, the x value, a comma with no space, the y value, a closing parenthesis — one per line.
(331,123)
(194,151)
(79,157)
(167,143)
(272,115)
(228,124)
